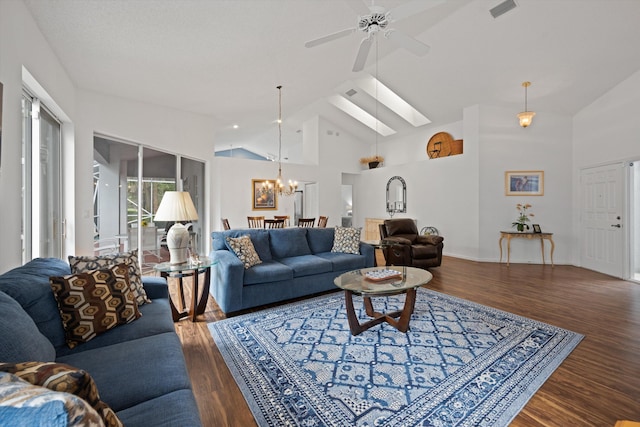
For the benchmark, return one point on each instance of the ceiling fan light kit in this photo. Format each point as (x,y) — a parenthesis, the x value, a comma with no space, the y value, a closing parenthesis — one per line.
(526,117)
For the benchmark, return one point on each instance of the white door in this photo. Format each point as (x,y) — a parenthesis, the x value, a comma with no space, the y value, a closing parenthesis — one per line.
(602,219)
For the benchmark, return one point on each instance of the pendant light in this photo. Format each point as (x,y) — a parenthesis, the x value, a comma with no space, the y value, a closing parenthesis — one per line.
(526,117)
(279,187)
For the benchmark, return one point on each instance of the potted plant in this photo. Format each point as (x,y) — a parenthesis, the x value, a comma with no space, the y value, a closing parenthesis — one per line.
(523,217)
(372,161)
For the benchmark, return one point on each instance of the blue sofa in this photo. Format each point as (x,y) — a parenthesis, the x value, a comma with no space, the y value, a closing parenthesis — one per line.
(295,262)
(138,367)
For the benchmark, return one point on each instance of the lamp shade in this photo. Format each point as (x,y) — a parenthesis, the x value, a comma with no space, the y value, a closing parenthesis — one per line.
(526,117)
(176,206)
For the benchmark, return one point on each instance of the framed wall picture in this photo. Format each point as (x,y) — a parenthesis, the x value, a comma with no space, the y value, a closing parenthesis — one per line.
(264,196)
(536,228)
(524,183)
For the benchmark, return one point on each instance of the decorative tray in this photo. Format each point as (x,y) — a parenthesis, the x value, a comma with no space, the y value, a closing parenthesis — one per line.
(380,275)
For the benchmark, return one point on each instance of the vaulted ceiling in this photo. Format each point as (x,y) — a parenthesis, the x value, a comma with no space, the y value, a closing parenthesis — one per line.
(224,58)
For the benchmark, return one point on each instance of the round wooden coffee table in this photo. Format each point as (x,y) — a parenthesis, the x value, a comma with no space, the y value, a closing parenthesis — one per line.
(357,282)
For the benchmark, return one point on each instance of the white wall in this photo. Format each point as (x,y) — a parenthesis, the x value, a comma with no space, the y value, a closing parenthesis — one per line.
(232,180)
(22,45)
(606,131)
(505,146)
(463,196)
(165,129)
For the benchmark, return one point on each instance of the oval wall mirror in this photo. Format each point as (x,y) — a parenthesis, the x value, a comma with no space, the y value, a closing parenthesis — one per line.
(396,195)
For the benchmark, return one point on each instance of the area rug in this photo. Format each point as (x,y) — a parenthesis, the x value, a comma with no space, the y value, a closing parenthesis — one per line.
(460,364)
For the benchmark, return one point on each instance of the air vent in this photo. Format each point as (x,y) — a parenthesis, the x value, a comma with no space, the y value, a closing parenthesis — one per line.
(503,8)
(350,92)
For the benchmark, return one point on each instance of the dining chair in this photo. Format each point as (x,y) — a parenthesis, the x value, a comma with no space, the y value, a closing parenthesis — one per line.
(274,223)
(284,217)
(225,224)
(256,221)
(322,221)
(306,222)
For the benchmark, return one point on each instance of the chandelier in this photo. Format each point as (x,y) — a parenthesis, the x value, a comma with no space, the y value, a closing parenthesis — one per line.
(279,187)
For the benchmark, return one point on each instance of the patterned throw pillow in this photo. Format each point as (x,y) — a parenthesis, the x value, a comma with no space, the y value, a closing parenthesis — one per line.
(347,240)
(24,404)
(243,248)
(92,303)
(64,378)
(85,264)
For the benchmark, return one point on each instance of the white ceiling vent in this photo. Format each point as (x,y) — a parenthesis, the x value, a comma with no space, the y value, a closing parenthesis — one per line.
(503,8)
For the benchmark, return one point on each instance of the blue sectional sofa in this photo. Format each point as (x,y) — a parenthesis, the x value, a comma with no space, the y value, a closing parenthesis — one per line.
(139,368)
(295,262)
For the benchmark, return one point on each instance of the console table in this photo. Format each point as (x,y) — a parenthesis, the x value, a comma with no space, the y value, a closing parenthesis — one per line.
(528,235)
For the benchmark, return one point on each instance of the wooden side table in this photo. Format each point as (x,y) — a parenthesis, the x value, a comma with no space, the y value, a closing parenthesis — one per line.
(528,235)
(199,298)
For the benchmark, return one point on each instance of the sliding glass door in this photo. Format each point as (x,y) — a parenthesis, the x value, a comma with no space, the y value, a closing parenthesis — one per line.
(130,181)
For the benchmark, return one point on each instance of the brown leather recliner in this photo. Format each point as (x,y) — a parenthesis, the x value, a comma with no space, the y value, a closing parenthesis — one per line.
(404,246)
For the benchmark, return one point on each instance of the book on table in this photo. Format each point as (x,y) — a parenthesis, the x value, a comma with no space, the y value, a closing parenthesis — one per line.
(383,274)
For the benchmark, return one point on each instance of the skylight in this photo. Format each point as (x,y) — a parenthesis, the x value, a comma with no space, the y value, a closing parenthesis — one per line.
(392,100)
(361,115)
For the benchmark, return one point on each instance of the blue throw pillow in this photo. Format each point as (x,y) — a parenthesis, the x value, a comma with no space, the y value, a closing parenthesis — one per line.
(21,340)
(288,242)
(320,239)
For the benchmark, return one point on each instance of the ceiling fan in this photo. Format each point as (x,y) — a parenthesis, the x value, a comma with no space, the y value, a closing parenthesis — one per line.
(378,21)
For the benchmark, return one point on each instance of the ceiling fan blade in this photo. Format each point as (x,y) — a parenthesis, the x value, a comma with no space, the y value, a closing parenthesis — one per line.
(412,45)
(330,37)
(413,7)
(363,52)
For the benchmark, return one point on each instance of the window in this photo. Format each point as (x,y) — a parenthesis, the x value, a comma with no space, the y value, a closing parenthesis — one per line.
(41,181)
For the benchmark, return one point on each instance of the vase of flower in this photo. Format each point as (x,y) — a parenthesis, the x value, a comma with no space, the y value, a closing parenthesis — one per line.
(523,217)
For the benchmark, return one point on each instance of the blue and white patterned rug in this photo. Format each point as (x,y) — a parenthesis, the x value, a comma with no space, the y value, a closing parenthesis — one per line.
(460,364)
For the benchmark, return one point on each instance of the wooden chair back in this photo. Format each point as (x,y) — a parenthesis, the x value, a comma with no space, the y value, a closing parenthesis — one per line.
(274,223)
(322,221)
(284,217)
(225,224)
(256,221)
(306,222)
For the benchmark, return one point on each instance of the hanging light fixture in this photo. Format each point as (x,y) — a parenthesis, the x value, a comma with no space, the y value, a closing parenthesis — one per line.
(526,117)
(279,187)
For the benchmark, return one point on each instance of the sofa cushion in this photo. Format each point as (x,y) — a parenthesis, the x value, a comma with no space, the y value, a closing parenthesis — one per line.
(424,251)
(320,239)
(64,378)
(244,250)
(132,372)
(24,404)
(92,303)
(400,226)
(177,408)
(346,240)
(21,340)
(429,240)
(288,242)
(307,265)
(259,238)
(156,319)
(270,271)
(85,264)
(29,285)
(344,262)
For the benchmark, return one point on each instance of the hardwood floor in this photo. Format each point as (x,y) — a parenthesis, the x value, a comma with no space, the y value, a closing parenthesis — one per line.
(596,385)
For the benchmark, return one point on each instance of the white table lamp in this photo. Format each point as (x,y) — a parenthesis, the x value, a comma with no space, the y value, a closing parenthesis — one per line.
(177,206)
